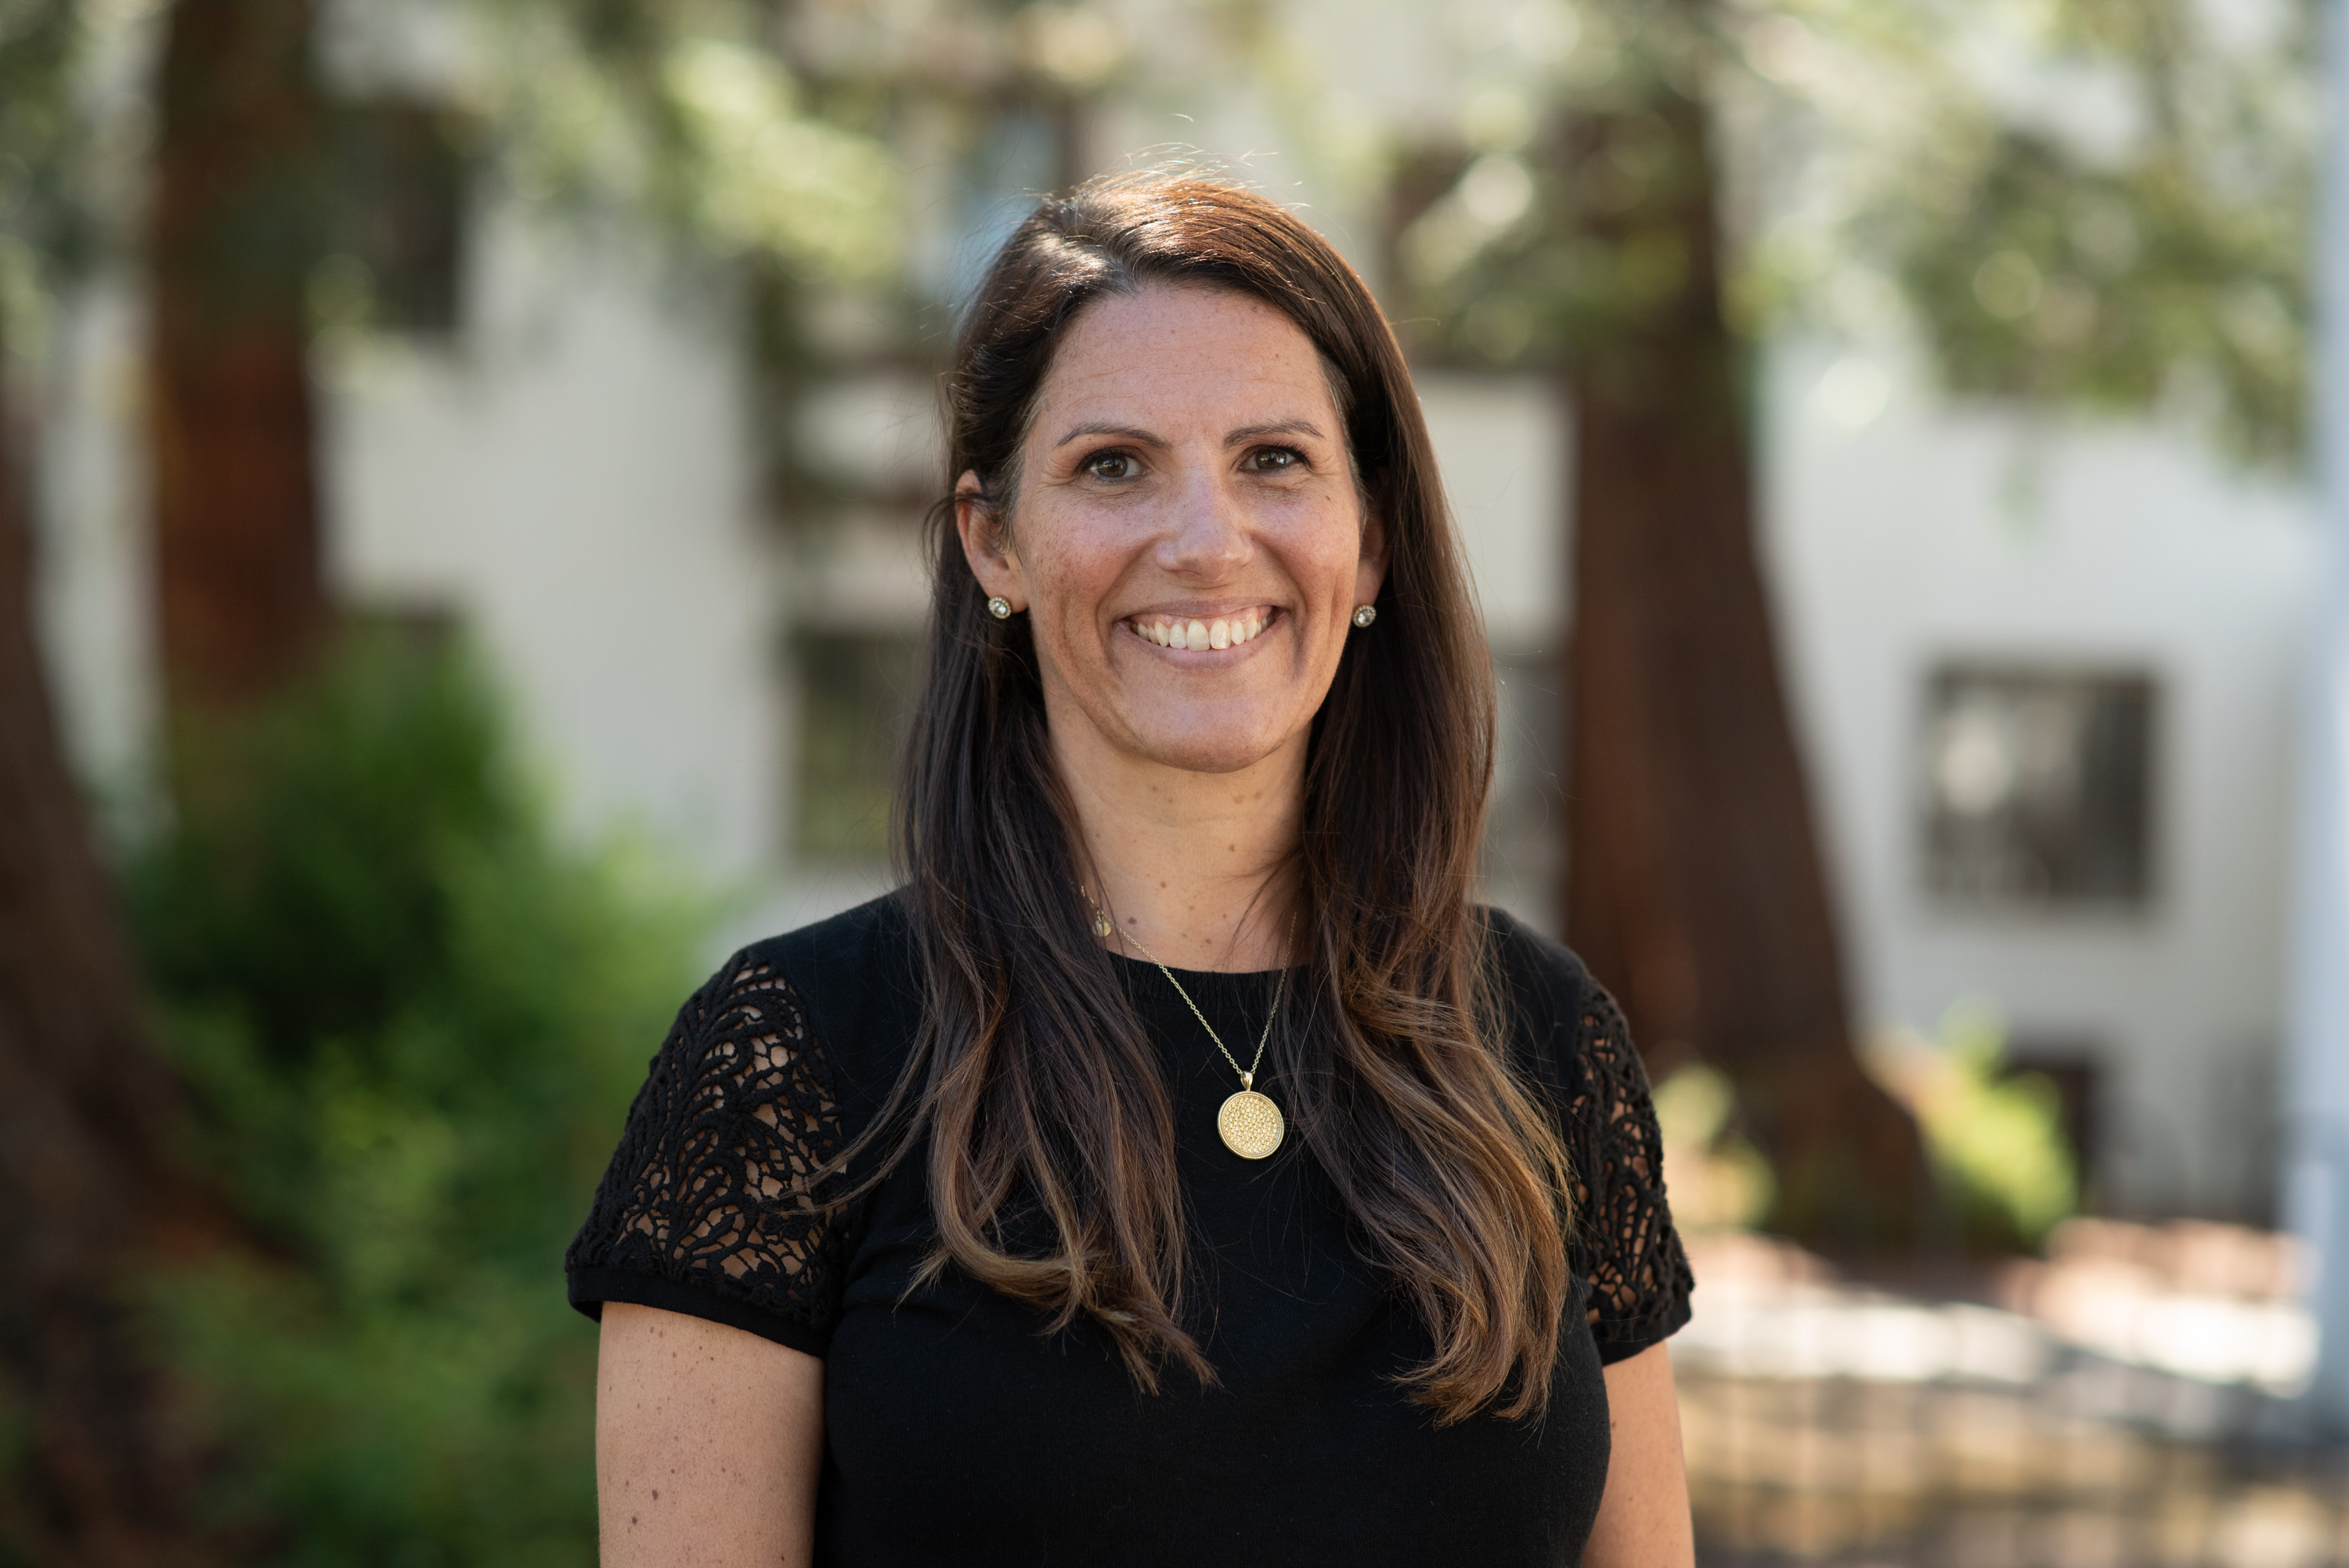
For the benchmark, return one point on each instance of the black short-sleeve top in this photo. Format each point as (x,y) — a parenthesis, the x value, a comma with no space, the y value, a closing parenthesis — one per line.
(958,1430)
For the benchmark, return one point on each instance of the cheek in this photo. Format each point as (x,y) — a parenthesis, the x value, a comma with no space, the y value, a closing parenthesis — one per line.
(1072,576)
(1071,570)
(1332,561)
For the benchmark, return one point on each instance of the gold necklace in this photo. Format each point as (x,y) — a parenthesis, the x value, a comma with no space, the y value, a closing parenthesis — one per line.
(1249,1124)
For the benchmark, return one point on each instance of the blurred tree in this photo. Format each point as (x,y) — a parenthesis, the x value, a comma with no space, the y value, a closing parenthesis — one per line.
(758,157)
(412,1018)
(2097,203)
(241,193)
(628,110)
(92,1187)
(98,1187)
(1589,240)
(2119,218)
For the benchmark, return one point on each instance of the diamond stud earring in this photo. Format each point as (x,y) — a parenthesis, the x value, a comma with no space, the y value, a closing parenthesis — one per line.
(999,607)
(1365,613)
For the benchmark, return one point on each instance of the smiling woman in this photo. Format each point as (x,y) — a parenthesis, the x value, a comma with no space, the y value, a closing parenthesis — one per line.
(918,1247)
(1185,475)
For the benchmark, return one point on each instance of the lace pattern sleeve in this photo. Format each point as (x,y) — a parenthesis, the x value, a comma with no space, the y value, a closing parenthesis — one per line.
(705,1208)
(1624,1243)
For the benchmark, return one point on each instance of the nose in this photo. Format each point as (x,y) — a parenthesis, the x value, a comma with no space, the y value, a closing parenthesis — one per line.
(1207,538)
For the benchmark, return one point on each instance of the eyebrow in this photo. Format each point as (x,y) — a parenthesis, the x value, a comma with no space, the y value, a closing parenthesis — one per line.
(1098,427)
(1244,433)
(1277,428)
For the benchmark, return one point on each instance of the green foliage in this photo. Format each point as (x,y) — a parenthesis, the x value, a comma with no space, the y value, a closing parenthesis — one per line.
(1557,226)
(685,114)
(412,1020)
(1995,1137)
(45,222)
(2048,267)
(2094,203)
(1719,1180)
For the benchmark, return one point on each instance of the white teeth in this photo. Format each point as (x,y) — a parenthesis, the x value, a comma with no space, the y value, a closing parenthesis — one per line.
(1200,636)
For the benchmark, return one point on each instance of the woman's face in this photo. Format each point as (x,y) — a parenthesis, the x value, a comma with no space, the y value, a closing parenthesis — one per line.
(1186,539)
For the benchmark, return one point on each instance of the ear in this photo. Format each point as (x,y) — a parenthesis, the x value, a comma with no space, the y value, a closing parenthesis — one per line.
(986,543)
(1371,568)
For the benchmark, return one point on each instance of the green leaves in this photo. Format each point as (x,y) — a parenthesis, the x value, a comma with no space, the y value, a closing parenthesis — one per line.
(411,1019)
(689,116)
(2094,203)
(46,222)
(765,178)
(2037,275)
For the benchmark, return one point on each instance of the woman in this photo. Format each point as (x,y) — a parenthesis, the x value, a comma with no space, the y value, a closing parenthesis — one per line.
(1178,1167)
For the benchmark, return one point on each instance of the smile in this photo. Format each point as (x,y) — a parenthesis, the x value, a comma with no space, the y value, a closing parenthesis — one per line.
(1200,632)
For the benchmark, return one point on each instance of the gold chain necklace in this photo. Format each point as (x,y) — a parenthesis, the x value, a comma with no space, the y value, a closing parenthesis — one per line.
(1249,1124)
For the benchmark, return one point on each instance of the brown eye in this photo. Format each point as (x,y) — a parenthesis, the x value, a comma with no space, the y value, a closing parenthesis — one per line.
(1273,460)
(1112,466)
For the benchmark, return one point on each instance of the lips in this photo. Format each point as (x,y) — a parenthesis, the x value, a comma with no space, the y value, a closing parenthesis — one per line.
(1203,632)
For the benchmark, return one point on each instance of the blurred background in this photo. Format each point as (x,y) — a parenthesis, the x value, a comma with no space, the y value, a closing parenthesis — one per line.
(462,467)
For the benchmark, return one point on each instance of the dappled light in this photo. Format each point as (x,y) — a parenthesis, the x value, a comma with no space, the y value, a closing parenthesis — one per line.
(473,489)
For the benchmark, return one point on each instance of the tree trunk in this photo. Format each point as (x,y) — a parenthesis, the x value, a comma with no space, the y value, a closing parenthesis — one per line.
(241,187)
(1694,885)
(86,1117)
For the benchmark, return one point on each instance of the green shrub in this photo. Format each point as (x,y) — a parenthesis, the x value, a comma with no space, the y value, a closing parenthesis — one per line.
(1719,1180)
(1995,1136)
(412,1018)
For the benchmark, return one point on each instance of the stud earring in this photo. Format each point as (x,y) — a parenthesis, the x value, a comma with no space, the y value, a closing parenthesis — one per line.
(999,607)
(1365,613)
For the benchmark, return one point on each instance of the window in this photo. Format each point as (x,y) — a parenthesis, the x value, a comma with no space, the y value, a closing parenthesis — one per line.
(402,223)
(2037,784)
(856,693)
(1524,857)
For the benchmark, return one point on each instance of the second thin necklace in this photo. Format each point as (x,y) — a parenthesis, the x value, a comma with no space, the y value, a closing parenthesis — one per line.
(1250,1124)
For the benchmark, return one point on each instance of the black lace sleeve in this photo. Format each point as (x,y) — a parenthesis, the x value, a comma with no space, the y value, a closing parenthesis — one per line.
(704,1209)
(1624,1242)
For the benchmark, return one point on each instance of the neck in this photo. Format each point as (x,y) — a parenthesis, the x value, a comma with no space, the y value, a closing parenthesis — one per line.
(1192,868)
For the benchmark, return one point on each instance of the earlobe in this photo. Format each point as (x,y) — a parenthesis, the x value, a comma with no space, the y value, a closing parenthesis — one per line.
(984,547)
(1370,570)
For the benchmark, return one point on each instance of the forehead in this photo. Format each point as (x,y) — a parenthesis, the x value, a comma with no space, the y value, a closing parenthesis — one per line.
(1185,352)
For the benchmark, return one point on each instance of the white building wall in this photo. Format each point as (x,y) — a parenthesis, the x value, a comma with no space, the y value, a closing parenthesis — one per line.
(1903,531)
(576,479)
(94,600)
(1502,445)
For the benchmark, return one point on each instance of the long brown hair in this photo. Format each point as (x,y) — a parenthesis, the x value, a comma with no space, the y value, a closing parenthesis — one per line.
(1039,1089)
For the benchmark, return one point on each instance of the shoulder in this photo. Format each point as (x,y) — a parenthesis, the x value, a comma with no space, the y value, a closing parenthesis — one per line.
(873,931)
(852,984)
(1567,1035)
(1550,1006)
(708,1206)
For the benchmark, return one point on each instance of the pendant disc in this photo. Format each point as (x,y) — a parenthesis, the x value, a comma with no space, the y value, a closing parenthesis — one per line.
(1251,1125)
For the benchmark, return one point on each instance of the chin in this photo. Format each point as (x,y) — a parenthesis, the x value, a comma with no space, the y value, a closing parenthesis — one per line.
(1215,751)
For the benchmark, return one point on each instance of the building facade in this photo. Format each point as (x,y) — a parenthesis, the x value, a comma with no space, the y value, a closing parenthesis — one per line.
(2046,675)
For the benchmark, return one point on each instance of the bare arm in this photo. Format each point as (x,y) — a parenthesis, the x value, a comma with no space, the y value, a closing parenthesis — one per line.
(707,1441)
(1643,1519)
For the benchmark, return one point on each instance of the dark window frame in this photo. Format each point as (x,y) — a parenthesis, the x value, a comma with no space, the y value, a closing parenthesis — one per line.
(2038,784)
(854,688)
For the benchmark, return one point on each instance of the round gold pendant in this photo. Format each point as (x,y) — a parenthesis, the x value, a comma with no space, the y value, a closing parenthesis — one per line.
(1250,1124)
